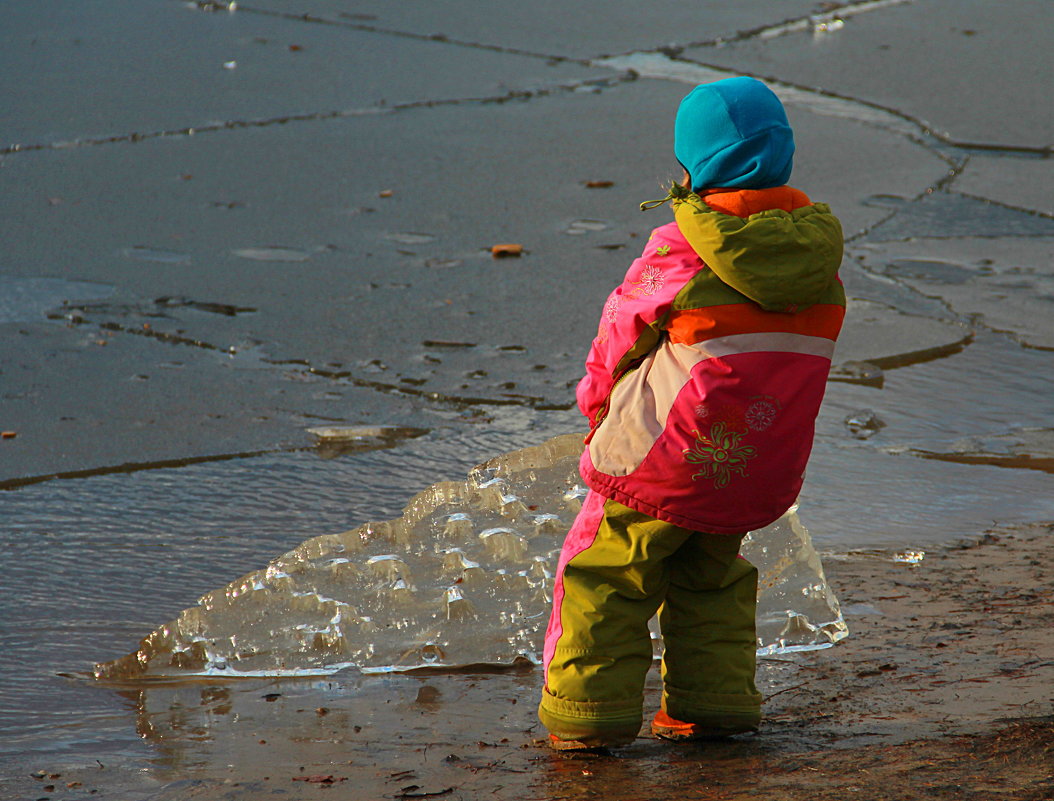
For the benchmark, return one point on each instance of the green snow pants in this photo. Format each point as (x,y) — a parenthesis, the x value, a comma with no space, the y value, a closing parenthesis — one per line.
(617,569)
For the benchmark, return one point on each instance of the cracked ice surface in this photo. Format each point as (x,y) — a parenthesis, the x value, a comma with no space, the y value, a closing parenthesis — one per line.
(890,59)
(464,577)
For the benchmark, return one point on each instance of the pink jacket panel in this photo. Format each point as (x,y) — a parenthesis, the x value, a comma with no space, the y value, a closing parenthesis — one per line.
(643,298)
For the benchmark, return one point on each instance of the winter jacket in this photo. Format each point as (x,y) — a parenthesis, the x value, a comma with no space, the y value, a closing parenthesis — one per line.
(711,359)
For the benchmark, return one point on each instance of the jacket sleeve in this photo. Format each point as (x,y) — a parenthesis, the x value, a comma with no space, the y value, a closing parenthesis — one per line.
(634,316)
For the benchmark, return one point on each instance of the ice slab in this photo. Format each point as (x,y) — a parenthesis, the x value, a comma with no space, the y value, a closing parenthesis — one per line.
(361,292)
(1005,283)
(937,62)
(945,214)
(1027,448)
(550,26)
(96,71)
(847,150)
(1021,182)
(885,337)
(464,577)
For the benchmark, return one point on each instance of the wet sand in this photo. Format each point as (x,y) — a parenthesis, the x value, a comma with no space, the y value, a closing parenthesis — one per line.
(943,691)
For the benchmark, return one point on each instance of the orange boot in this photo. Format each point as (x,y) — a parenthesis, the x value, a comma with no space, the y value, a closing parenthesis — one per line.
(590,744)
(667,728)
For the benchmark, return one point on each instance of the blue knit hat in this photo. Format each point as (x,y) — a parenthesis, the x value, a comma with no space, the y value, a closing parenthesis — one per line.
(733,133)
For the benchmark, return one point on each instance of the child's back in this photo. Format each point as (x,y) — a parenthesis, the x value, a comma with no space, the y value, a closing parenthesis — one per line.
(712,358)
(702,388)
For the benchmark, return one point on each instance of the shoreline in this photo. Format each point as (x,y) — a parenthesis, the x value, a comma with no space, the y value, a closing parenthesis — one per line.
(943,688)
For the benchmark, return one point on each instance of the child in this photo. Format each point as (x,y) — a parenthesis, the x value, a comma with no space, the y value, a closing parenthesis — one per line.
(702,388)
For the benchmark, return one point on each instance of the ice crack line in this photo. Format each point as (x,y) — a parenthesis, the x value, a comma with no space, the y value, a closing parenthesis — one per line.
(597,84)
(424,37)
(135,467)
(670,65)
(73,316)
(831,17)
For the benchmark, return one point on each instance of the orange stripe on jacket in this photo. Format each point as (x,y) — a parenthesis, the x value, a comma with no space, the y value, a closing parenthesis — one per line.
(689,326)
(745,202)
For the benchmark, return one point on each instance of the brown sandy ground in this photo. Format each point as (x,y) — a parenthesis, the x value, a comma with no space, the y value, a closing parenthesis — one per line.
(944,690)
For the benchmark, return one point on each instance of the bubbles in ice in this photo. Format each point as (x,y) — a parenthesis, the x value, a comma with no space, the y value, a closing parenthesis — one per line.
(465,576)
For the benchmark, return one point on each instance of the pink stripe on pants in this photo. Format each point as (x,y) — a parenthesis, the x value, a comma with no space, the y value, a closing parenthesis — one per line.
(582,534)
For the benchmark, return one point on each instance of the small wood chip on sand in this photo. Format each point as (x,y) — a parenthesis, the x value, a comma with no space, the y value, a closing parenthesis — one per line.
(506,251)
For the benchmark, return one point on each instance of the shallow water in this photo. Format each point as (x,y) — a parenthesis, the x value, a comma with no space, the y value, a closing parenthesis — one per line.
(98,562)
(464,577)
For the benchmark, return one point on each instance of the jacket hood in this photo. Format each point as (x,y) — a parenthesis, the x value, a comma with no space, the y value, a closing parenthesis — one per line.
(781,260)
(733,133)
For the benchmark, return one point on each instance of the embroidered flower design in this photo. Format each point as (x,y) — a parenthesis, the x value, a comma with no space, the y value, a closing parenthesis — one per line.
(611,308)
(719,455)
(761,413)
(651,280)
(662,250)
(702,411)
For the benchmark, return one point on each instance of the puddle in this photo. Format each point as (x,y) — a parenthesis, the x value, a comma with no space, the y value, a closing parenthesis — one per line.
(30,300)
(409,238)
(144,253)
(273,253)
(580,227)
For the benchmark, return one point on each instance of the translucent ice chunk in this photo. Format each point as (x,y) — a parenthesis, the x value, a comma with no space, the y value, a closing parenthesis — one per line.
(911,556)
(465,576)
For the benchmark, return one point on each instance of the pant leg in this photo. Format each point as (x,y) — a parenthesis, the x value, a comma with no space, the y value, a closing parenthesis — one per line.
(708,627)
(611,579)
